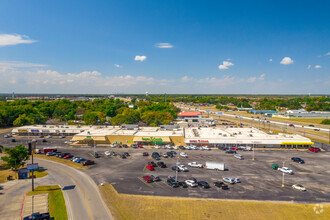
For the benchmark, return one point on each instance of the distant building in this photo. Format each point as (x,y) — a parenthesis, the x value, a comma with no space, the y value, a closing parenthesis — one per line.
(263,111)
(183,115)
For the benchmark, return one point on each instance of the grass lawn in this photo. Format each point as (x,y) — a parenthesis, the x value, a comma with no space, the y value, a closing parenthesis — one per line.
(60,160)
(123,206)
(5,172)
(56,202)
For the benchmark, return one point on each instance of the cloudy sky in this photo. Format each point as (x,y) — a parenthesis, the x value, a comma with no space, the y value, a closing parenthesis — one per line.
(188,46)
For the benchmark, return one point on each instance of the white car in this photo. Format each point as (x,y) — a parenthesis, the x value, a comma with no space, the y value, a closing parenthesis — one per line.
(182,154)
(195,164)
(286,170)
(237,180)
(229,180)
(206,148)
(113,146)
(75,159)
(191,183)
(49,136)
(186,147)
(157,147)
(175,147)
(183,168)
(298,187)
(238,156)
(108,153)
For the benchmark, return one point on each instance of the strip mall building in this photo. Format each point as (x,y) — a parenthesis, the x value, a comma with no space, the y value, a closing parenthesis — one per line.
(174,135)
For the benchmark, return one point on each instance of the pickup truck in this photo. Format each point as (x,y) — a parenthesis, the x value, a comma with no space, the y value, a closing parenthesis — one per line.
(195,164)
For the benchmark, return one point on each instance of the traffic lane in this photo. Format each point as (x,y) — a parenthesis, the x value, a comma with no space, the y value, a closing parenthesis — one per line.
(74,199)
(84,198)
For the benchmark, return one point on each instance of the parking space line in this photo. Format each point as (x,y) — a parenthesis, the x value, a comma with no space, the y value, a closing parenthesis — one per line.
(148,184)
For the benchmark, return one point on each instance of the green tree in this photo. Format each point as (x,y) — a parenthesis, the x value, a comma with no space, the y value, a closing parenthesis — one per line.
(23,120)
(326,122)
(1,148)
(16,156)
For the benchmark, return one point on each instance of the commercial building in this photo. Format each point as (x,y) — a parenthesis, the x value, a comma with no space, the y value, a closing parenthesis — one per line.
(195,119)
(168,134)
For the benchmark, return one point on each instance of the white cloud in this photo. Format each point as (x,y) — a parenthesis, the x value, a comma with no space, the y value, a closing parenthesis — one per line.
(286,61)
(261,77)
(270,60)
(117,65)
(164,45)
(318,66)
(254,79)
(309,67)
(225,65)
(14,39)
(327,54)
(7,65)
(140,58)
(186,79)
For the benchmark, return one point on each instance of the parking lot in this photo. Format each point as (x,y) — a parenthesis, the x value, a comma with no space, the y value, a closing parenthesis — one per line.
(258,180)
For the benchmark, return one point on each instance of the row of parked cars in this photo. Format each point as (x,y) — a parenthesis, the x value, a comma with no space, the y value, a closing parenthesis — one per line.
(191,147)
(112,153)
(69,156)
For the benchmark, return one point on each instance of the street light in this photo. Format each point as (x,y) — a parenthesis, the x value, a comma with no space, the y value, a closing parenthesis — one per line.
(283,177)
(253,151)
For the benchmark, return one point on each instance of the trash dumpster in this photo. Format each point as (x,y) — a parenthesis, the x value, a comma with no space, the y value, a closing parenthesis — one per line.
(23,173)
(275,166)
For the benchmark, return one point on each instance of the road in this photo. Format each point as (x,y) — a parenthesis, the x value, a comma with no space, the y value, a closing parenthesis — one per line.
(82,197)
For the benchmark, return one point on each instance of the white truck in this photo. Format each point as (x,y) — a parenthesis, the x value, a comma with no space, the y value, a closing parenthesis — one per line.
(215,165)
(195,164)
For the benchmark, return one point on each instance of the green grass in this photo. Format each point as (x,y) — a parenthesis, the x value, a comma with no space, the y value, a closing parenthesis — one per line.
(56,202)
(123,206)
(61,160)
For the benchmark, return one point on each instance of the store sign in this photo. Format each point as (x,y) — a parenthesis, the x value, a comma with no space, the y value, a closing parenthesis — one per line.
(203,141)
(35,131)
(129,141)
(193,141)
(32,166)
(152,139)
(89,137)
(46,131)
(22,130)
(219,113)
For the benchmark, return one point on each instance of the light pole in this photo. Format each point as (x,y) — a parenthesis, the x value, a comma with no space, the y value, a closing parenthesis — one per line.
(253,151)
(33,145)
(283,177)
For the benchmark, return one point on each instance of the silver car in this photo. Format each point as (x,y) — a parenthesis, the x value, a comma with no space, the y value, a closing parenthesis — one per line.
(229,180)
(238,156)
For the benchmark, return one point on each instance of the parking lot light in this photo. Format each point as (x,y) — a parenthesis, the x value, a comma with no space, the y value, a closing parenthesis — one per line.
(283,177)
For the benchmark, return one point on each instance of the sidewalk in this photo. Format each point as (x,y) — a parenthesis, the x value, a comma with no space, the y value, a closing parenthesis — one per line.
(35,203)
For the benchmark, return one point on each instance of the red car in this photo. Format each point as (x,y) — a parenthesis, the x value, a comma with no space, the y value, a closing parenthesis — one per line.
(234,148)
(150,167)
(145,154)
(68,156)
(148,179)
(139,146)
(291,125)
(314,149)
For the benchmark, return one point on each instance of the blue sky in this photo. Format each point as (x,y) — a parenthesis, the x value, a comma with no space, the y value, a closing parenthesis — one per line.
(217,47)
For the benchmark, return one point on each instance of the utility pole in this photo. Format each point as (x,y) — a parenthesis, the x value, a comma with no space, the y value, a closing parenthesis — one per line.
(283,177)
(253,151)
(33,146)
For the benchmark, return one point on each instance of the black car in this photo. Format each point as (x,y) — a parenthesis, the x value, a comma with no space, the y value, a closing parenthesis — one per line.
(173,153)
(203,184)
(96,155)
(38,216)
(297,159)
(61,155)
(113,153)
(125,146)
(126,154)
(231,152)
(152,163)
(169,154)
(175,168)
(183,184)
(44,140)
(88,162)
(155,155)
(13,140)
(221,185)
(181,147)
(122,156)
(161,164)
(172,182)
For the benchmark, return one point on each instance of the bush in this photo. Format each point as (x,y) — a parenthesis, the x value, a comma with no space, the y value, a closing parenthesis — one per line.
(326,122)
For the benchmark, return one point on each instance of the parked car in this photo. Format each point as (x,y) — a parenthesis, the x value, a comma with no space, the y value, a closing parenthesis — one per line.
(291,125)
(195,164)
(230,152)
(155,178)
(150,167)
(68,156)
(161,164)
(311,125)
(183,184)
(88,162)
(175,168)
(203,184)
(122,156)
(171,182)
(183,168)
(73,159)
(145,154)
(316,129)
(182,154)
(191,183)
(238,156)
(152,163)
(44,140)
(13,140)
(237,180)
(221,185)
(298,187)
(49,136)
(205,148)
(113,153)
(228,180)
(127,154)
(38,216)
(155,154)
(285,170)
(80,160)
(50,153)
(165,155)
(107,153)
(193,179)
(297,159)
(314,149)
(148,179)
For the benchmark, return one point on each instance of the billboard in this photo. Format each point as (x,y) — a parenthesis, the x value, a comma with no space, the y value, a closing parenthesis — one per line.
(32,166)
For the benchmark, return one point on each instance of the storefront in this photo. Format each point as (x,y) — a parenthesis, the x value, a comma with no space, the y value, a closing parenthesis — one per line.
(152,140)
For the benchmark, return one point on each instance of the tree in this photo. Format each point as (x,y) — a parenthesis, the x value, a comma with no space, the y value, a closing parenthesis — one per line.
(1,148)
(16,156)
(23,120)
